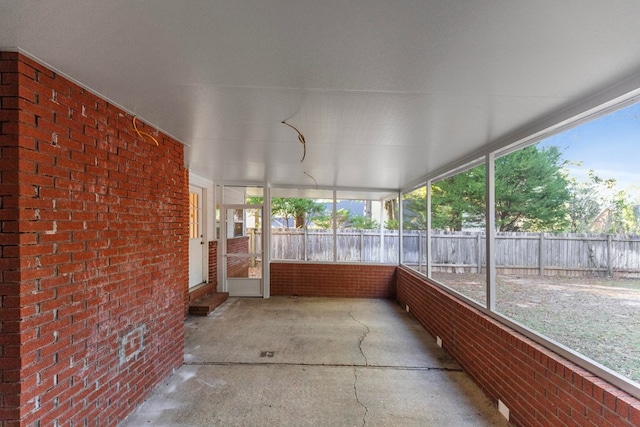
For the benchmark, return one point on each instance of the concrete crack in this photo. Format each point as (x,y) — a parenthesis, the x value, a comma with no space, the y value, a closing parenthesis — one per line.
(355,391)
(362,337)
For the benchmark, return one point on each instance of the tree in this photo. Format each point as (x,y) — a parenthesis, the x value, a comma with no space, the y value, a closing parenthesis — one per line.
(620,216)
(325,220)
(392,224)
(586,201)
(628,207)
(300,211)
(391,208)
(362,222)
(531,190)
(458,201)
(344,219)
(597,206)
(414,210)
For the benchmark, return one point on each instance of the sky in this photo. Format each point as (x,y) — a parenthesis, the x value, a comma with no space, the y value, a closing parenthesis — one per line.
(610,145)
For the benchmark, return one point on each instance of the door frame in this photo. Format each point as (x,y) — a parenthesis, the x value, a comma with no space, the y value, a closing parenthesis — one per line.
(208,208)
(202,223)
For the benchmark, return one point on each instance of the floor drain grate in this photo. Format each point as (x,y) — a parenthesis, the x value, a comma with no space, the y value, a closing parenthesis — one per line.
(267,353)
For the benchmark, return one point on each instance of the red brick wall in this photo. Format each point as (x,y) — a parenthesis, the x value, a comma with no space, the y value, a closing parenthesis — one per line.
(10,239)
(539,387)
(333,280)
(96,301)
(238,267)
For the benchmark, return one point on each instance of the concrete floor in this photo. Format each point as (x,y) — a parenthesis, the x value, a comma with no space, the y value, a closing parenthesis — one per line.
(314,362)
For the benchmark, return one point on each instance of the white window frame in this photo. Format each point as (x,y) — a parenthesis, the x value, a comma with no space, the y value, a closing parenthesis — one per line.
(603,103)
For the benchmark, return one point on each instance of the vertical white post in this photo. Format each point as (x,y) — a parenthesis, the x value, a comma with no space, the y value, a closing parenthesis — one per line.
(382,257)
(266,242)
(490,226)
(222,247)
(428,246)
(217,204)
(335,228)
(400,216)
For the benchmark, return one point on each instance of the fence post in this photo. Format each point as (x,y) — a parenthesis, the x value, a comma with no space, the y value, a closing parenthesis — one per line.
(361,245)
(419,250)
(381,248)
(609,266)
(479,253)
(541,256)
(304,244)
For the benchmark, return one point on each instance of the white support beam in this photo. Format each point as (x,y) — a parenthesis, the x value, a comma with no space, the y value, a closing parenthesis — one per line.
(490,227)
(428,249)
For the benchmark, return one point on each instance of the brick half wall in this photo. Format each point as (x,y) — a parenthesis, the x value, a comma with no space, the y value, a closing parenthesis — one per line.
(538,386)
(333,280)
(238,267)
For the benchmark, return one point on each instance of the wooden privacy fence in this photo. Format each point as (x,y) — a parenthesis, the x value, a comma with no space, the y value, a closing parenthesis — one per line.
(527,253)
(465,252)
(351,245)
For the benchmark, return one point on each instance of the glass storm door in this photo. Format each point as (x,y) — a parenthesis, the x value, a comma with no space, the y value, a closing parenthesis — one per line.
(243,250)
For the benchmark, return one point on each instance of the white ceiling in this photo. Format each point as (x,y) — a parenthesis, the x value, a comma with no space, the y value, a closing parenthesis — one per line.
(385,92)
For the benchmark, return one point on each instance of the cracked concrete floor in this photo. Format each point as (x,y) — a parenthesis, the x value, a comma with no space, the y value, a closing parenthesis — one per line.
(317,362)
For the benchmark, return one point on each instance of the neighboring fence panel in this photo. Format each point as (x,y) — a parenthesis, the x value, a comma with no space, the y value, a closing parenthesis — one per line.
(539,253)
